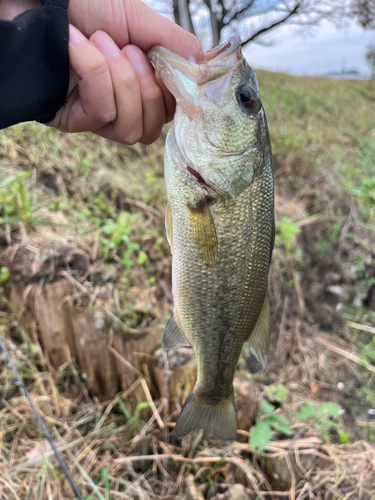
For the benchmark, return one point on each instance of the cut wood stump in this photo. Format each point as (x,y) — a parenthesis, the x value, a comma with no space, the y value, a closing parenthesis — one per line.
(76,320)
(175,373)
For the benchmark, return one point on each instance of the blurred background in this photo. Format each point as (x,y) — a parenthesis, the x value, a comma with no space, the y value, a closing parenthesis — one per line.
(85,272)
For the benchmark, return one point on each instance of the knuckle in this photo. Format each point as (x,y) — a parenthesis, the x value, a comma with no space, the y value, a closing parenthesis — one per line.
(97,66)
(155,96)
(148,140)
(134,136)
(151,136)
(106,115)
(129,78)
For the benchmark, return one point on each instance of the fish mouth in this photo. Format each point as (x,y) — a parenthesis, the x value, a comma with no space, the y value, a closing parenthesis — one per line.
(223,50)
(193,85)
(184,78)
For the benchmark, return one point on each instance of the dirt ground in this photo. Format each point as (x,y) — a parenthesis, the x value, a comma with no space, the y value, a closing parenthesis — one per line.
(86,292)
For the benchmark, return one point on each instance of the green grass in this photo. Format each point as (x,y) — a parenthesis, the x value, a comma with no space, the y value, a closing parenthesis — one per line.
(324,124)
(113,197)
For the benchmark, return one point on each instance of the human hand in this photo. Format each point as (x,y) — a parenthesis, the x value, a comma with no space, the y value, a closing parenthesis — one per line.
(118,95)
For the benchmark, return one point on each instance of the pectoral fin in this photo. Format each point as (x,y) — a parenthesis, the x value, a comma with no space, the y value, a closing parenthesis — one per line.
(168,226)
(173,336)
(258,343)
(203,232)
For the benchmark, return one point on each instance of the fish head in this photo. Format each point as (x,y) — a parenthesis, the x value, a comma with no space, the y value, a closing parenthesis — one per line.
(219,125)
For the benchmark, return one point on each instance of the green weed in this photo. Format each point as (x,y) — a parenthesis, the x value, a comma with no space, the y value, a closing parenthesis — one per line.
(361,271)
(285,233)
(116,239)
(325,245)
(279,392)
(105,477)
(261,432)
(15,204)
(4,274)
(323,418)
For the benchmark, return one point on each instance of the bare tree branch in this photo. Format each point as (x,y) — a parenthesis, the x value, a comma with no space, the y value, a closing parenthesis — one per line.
(267,15)
(273,25)
(364,11)
(242,12)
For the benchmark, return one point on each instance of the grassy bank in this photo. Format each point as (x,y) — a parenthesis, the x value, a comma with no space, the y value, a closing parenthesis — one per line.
(106,202)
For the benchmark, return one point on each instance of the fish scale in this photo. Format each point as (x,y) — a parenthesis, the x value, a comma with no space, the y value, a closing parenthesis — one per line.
(220,224)
(244,250)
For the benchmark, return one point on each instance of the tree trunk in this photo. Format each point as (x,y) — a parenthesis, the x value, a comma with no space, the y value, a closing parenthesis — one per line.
(215,30)
(183,15)
(214,25)
(176,12)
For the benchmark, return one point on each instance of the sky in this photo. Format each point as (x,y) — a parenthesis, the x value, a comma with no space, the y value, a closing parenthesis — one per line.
(320,51)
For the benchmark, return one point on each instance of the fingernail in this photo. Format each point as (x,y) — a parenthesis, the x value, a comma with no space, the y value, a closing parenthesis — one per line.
(137,58)
(75,36)
(106,45)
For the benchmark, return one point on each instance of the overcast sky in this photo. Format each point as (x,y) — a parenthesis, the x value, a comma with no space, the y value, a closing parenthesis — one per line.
(323,50)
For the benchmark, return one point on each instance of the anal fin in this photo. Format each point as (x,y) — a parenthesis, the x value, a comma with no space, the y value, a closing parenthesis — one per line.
(173,336)
(258,343)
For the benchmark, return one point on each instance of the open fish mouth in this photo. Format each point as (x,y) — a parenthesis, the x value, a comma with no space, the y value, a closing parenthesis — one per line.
(225,49)
(184,77)
(194,86)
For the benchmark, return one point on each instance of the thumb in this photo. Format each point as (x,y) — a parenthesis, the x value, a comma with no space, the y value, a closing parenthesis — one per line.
(147,28)
(133,22)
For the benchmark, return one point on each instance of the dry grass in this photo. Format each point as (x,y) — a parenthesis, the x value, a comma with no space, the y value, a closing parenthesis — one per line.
(124,448)
(142,459)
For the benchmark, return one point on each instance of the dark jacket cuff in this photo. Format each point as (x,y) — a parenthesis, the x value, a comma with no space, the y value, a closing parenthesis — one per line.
(34,64)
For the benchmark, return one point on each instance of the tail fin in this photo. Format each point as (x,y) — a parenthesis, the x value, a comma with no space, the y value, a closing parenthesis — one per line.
(217,420)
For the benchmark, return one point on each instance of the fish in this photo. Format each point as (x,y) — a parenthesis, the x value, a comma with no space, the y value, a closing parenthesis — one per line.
(220,226)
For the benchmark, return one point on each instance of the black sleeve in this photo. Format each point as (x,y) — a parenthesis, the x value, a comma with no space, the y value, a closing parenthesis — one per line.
(34,65)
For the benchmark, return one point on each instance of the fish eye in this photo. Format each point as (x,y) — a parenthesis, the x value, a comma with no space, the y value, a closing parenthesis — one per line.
(247,97)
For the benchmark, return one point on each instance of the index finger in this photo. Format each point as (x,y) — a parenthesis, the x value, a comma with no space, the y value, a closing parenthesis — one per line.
(147,28)
(133,22)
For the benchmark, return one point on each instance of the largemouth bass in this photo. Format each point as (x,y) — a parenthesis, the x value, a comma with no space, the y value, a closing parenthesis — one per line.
(220,226)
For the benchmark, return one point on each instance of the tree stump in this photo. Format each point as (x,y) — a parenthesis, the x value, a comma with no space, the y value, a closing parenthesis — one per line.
(76,319)
(175,373)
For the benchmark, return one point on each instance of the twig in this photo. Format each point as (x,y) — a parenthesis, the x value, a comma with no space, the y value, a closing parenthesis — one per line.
(80,469)
(144,207)
(125,362)
(285,444)
(292,475)
(146,390)
(96,301)
(35,460)
(7,485)
(346,354)
(364,328)
(309,220)
(40,421)
(177,458)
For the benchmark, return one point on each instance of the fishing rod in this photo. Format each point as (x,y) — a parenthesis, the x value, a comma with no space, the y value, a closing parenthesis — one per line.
(40,422)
